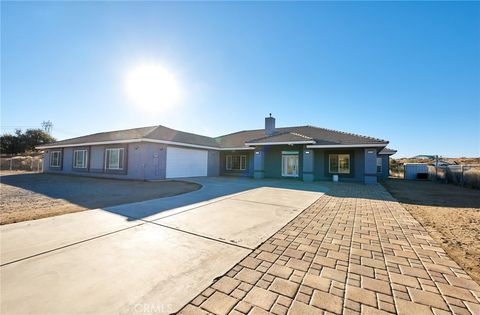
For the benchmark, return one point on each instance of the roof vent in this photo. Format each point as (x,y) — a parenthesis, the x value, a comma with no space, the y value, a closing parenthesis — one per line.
(269,125)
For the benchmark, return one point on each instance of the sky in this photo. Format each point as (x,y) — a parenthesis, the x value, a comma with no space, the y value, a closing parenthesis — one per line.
(406,72)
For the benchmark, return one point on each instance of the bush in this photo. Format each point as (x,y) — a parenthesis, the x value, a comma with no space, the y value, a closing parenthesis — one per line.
(472,178)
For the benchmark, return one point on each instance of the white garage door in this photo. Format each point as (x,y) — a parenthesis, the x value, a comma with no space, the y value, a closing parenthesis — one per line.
(186,162)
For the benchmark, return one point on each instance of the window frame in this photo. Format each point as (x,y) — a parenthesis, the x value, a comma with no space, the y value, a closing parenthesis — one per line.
(121,158)
(229,165)
(379,166)
(59,158)
(339,155)
(85,160)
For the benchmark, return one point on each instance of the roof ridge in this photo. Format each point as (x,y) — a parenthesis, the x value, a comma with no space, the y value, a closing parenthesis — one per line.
(190,133)
(268,136)
(300,135)
(153,129)
(105,132)
(260,129)
(348,133)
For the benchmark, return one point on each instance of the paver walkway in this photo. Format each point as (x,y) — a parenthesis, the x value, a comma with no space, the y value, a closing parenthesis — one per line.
(355,250)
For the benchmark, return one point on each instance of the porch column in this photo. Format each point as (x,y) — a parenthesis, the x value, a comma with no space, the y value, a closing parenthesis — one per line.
(370,165)
(258,164)
(308,158)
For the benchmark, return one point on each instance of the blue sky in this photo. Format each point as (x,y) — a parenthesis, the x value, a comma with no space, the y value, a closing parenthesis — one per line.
(407,72)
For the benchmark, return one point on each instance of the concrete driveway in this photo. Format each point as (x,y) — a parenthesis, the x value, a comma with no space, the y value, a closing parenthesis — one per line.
(147,257)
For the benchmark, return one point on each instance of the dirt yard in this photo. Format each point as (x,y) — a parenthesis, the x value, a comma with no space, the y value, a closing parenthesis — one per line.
(450,213)
(30,196)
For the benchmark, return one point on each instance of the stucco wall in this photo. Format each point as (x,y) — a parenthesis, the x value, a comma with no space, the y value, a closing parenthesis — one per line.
(249,167)
(154,158)
(143,161)
(97,158)
(385,166)
(213,163)
(273,160)
(356,164)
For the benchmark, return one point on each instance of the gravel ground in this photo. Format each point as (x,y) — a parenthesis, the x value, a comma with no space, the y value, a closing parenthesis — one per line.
(450,213)
(30,196)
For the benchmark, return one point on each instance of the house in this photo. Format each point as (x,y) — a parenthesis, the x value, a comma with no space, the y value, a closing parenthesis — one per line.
(151,153)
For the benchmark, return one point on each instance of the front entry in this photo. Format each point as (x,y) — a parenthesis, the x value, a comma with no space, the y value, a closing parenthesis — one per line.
(290,164)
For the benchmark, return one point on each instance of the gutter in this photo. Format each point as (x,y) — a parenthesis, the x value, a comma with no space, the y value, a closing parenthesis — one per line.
(280,143)
(332,146)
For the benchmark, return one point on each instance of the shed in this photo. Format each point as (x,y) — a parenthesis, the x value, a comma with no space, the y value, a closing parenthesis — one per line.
(416,170)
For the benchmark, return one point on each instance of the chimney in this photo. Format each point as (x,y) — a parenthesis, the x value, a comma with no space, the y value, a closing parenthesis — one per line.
(269,125)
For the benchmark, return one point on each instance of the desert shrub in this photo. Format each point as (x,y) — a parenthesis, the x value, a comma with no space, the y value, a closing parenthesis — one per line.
(472,178)
(22,163)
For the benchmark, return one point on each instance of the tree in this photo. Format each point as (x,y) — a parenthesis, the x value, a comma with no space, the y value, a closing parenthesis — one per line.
(23,142)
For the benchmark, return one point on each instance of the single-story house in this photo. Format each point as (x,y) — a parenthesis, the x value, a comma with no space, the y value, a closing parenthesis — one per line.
(151,153)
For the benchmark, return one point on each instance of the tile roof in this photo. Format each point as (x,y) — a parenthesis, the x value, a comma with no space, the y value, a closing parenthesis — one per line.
(126,134)
(320,136)
(167,134)
(387,151)
(282,137)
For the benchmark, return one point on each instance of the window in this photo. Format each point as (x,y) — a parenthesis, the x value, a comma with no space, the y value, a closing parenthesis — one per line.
(80,159)
(55,158)
(379,164)
(236,162)
(114,159)
(339,163)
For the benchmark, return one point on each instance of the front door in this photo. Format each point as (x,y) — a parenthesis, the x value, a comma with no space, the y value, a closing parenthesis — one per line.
(290,165)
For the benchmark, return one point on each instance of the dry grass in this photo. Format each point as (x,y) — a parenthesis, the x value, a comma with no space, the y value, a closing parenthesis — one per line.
(472,178)
(451,215)
(30,196)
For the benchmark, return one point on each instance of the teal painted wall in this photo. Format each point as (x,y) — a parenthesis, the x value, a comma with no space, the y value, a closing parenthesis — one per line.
(273,160)
(385,166)
(249,168)
(356,164)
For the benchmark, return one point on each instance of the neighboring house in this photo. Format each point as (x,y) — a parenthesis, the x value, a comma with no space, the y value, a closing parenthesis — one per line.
(306,152)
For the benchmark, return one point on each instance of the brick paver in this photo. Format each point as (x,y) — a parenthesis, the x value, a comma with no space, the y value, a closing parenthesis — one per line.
(355,250)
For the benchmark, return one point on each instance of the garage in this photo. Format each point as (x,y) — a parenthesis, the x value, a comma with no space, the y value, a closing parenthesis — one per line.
(186,162)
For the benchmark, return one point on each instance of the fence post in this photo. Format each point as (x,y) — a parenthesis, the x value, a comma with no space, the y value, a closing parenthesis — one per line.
(10,163)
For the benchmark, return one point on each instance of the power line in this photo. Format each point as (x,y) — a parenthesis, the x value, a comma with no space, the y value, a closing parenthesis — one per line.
(19,126)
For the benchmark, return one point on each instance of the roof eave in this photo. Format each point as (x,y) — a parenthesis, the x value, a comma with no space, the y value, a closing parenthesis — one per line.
(392,152)
(280,143)
(332,146)
(54,146)
(236,148)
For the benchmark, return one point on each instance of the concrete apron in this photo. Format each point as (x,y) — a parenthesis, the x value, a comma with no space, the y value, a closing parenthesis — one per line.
(108,265)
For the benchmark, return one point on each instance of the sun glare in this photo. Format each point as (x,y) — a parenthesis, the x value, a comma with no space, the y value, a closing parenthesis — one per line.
(152,87)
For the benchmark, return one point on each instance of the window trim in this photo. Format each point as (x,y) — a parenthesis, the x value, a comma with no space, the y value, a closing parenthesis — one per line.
(379,166)
(296,156)
(241,156)
(338,163)
(85,160)
(59,158)
(107,166)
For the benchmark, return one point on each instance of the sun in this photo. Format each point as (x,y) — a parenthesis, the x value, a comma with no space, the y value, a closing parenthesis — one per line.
(152,87)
